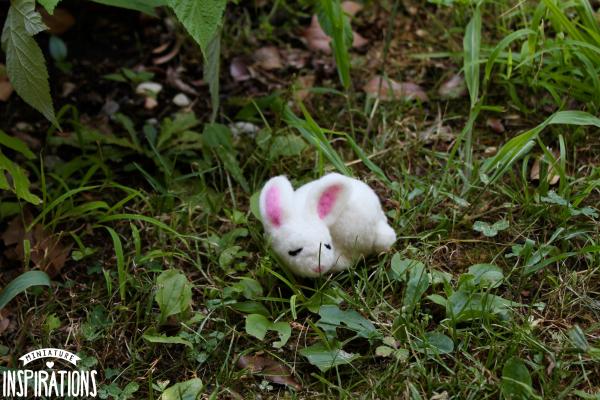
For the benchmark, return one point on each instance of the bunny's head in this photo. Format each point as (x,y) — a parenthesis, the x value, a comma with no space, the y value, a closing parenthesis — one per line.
(298,224)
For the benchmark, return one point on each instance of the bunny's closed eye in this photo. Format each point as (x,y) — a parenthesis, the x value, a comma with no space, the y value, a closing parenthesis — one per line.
(294,253)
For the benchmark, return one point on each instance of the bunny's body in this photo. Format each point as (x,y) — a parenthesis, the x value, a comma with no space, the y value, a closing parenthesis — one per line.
(324,225)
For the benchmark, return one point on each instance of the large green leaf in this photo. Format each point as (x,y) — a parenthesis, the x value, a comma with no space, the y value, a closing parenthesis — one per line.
(188,390)
(516,380)
(16,145)
(174,294)
(257,325)
(201,18)
(49,5)
(22,283)
(332,317)
(145,6)
(20,182)
(326,357)
(25,62)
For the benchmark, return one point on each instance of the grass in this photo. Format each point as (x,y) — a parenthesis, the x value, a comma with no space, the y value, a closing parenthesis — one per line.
(420,322)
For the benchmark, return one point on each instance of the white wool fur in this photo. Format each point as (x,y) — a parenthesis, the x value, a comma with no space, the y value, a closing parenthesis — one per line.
(355,225)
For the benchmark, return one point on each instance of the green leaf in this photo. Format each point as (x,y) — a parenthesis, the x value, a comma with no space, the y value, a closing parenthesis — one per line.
(287,146)
(22,283)
(486,275)
(201,18)
(251,307)
(490,230)
(154,337)
(25,62)
(402,265)
(471,46)
(145,6)
(436,343)
(16,145)
(418,282)
(49,5)
(336,24)
(516,380)
(578,338)
(20,181)
(332,317)
(257,325)
(121,271)
(520,145)
(174,294)
(188,390)
(212,65)
(325,358)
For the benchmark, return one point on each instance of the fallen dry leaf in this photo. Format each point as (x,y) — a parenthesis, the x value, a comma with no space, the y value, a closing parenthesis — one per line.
(6,90)
(239,70)
(296,58)
(169,56)
(269,369)
(453,88)
(59,22)
(351,7)
(304,84)
(388,89)
(47,252)
(317,40)
(551,176)
(174,79)
(358,41)
(495,124)
(268,58)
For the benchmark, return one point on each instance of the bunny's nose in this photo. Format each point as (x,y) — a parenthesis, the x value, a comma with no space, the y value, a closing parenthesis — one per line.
(318,269)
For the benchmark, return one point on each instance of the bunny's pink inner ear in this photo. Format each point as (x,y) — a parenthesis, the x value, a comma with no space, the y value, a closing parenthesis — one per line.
(273,206)
(327,200)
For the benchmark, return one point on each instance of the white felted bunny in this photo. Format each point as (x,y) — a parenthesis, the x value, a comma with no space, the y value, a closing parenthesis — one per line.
(324,225)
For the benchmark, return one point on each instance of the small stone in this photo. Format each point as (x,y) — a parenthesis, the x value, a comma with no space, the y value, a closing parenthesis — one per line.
(148,89)
(181,100)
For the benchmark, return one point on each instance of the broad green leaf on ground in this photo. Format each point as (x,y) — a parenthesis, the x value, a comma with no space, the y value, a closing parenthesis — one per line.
(188,390)
(436,343)
(486,275)
(257,325)
(154,337)
(22,283)
(49,5)
(174,294)
(325,358)
(400,266)
(201,18)
(490,230)
(145,6)
(332,317)
(418,282)
(328,296)
(20,183)
(516,380)
(25,62)
(286,146)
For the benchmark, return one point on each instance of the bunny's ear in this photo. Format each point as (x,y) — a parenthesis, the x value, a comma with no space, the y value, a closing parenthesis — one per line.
(276,201)
(330,196)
